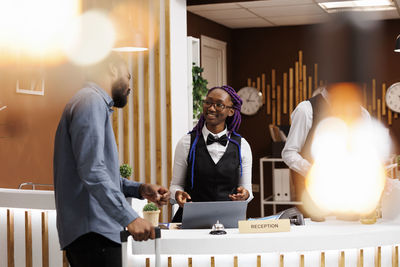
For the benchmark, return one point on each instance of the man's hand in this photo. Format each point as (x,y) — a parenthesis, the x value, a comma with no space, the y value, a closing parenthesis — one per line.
(242,194)
(182,197)
(155,193)
(141,230)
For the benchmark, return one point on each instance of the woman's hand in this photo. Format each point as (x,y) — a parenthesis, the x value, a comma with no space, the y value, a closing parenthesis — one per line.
(242,194)
(182,197)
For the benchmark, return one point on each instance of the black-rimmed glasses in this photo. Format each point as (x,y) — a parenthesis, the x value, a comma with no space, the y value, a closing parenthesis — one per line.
(217,106)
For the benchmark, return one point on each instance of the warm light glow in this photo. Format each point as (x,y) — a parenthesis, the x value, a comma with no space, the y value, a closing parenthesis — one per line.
(358,5)
(33,28)
(348,175)
(90,38)
(129,49)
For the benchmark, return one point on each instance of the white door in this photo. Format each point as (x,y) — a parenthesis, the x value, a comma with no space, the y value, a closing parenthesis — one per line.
(213,61)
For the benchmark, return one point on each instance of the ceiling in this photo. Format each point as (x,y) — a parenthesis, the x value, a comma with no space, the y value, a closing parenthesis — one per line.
(271,13)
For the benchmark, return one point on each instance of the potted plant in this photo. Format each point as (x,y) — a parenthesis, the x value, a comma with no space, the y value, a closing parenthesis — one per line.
(125,170)
(151,213)
(199,91)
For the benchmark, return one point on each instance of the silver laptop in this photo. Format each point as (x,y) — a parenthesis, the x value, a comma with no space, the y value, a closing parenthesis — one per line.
(198,215)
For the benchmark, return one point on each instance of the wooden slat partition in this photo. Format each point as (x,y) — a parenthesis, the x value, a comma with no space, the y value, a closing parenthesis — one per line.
(310,90)
(45,239)
(365,99)
(278,105)
(263,87)
(360,258)
(379,109)
(157,96)
(268,99)
(378,257)
(285,93)
(389,117)
(315,76)
(395,256)
(168,93)
(146,104)
(258,83)
(273,81)
(342,259)
(115,119)
(136,142)
(322,261)
(373,94)
(296,82)
(273,112)
(304,82)
(291,93)
(126,133)
(10,238)
(65,260)
(147,262)
(383,99)
(28,239)
(169,262)
(249,82)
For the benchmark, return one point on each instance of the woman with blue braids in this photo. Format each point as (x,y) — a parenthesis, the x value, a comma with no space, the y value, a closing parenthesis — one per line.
(213,162)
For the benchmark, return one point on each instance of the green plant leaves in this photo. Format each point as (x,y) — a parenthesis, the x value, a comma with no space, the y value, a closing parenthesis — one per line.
(125,170)
(150,207)
(199,91)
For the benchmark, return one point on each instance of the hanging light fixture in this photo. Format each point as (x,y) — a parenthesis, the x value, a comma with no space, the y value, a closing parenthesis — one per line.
(397,47)
(134,43)
(130,38)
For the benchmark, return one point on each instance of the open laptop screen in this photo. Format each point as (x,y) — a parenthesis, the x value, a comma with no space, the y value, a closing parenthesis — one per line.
(197,215)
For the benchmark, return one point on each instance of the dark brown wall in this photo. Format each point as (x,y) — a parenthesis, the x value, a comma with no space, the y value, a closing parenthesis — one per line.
(258,50)
(198,26)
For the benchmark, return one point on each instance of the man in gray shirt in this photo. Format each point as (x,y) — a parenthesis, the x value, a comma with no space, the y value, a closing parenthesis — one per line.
(89,192)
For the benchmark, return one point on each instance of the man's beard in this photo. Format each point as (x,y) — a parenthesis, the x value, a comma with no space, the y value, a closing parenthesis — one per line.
(119,96)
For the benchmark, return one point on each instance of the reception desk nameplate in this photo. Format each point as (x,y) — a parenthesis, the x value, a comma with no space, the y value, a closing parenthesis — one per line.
(264,226)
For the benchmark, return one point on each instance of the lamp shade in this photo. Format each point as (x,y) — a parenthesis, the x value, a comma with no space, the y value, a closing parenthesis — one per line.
(135,42)
(397,47)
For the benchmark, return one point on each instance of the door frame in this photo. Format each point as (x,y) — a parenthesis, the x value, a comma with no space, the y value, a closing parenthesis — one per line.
(206,41)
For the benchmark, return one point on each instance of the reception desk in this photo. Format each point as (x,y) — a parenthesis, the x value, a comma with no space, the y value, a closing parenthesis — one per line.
(28,237)
(330,243)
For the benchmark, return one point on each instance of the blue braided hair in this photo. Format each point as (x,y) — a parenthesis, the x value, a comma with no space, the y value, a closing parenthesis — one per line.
(232,122)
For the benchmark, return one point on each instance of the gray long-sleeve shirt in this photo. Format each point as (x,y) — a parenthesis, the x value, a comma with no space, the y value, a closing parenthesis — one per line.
(89,192)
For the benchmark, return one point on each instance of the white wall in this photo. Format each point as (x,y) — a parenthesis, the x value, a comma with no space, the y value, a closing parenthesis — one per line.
(179,94)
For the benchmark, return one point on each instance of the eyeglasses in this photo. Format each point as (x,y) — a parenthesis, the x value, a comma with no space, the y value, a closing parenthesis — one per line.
(217,106)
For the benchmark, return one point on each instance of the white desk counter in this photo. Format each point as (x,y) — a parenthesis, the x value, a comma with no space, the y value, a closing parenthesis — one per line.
(309,243)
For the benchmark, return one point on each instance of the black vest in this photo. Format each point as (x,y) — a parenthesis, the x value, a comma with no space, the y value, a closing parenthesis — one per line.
(213,182)
(320,112)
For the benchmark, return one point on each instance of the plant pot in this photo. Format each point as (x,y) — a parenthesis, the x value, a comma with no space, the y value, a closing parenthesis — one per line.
(152,216)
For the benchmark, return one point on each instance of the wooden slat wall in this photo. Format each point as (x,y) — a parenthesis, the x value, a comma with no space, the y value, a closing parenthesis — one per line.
(151,101)
(45,239)
(168,92)
(10,238)
(301,87)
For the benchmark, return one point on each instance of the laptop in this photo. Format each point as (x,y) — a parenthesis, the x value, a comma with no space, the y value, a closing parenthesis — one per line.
(200,215)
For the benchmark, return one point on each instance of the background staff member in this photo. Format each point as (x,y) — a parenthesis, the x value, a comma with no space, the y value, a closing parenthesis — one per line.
(340,100)
(89,192)
(213,162)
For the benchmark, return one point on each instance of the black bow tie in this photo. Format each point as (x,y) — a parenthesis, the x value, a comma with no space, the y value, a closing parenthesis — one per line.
(222,140)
